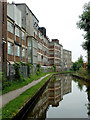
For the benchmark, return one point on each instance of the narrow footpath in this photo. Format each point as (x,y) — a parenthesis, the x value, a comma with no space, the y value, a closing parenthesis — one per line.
(6,98)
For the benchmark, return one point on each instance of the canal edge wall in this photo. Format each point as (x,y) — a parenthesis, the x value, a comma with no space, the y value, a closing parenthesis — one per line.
(31,102)
(80,77)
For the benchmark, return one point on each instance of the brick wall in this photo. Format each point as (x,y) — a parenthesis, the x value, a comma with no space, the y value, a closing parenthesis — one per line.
(4,35)
(0,34)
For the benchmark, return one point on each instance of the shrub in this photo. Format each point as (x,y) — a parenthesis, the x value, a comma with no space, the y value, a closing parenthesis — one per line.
(18,75)
(29,68)
(82,71)
(4,80)
(38,69)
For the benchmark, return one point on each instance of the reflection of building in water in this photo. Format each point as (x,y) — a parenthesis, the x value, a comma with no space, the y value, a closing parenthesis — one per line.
(41,106)
(52,95)
(67,84)
(54,89)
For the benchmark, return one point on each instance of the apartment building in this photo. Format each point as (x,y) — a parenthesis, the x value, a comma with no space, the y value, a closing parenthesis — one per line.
(30,23)
(42,47)
(16,36)
(24,40)
(67,59)
(55,54)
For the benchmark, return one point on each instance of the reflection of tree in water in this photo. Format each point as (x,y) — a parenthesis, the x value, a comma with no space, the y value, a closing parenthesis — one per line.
(88,93)
(80,86)
(80,83)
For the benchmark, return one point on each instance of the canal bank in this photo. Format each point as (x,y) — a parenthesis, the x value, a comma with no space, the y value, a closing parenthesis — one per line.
(16,106)
(64,97)
(13,107)
(81,77)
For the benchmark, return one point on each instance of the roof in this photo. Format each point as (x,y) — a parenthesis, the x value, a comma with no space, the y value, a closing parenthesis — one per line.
(28,8)
(67,50)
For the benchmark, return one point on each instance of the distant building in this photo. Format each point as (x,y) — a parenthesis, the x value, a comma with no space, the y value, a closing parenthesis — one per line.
(55,54)
(67,59)
(42,49)
(84,65)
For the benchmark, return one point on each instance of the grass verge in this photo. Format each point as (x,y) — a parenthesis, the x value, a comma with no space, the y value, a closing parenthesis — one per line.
(13,107)
(18,84)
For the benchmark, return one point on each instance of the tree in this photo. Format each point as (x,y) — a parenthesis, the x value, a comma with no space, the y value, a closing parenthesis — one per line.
(74,67)
(84,23)
(78,64)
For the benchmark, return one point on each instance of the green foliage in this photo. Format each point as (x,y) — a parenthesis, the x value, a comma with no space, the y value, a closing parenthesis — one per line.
(18,84)
(18,75)
(12,108)
(82,71)
(4,81)
(84,23)
(38,69)
(78,64)
(54,68)
(30,68)
(74,67)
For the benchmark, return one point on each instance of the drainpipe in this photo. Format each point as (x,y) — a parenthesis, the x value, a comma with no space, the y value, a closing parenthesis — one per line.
(9,68)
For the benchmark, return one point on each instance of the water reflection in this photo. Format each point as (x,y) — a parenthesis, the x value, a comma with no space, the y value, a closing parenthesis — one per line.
(58,86)
(81,83)
(88,93)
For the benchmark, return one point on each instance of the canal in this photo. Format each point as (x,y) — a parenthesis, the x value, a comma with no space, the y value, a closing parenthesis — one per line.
(63,97)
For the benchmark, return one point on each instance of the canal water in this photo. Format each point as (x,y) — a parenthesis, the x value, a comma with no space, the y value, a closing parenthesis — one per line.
(64,97)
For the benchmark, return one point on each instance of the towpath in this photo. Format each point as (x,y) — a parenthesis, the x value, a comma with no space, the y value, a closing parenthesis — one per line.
(6,98)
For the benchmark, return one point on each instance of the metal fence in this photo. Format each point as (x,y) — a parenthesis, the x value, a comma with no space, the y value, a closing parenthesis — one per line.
(9,70)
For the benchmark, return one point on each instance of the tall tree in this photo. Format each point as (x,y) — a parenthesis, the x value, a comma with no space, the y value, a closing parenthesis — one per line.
(84,23)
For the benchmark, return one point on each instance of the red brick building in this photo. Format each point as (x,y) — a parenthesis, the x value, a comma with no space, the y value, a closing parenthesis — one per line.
(55,54)
(3,35)
(0,35)
(16,37)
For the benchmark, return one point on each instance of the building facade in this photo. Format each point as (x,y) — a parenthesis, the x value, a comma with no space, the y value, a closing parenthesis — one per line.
(55,54)
(23,40)
(0,36)
(30,23)
(3,32)
(16,36)
(42,48)
(67,59)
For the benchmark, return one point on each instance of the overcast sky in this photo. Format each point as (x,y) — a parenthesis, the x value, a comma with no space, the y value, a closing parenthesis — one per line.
(59,17)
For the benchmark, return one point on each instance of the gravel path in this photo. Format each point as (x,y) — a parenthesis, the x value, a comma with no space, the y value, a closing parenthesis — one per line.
(4,99)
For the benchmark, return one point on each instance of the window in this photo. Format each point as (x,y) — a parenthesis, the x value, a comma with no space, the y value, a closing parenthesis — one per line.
(34,43)
(17,31)
(35,59)
(34,51)
(22,35)
(23,52)
(39,58)
(17,50)
(10,48)
(10,27)
(40,46)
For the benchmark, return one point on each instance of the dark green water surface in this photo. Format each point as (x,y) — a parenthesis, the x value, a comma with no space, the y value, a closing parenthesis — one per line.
(64,97)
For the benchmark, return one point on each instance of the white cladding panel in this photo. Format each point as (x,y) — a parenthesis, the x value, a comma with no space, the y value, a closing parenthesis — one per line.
(14,13)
